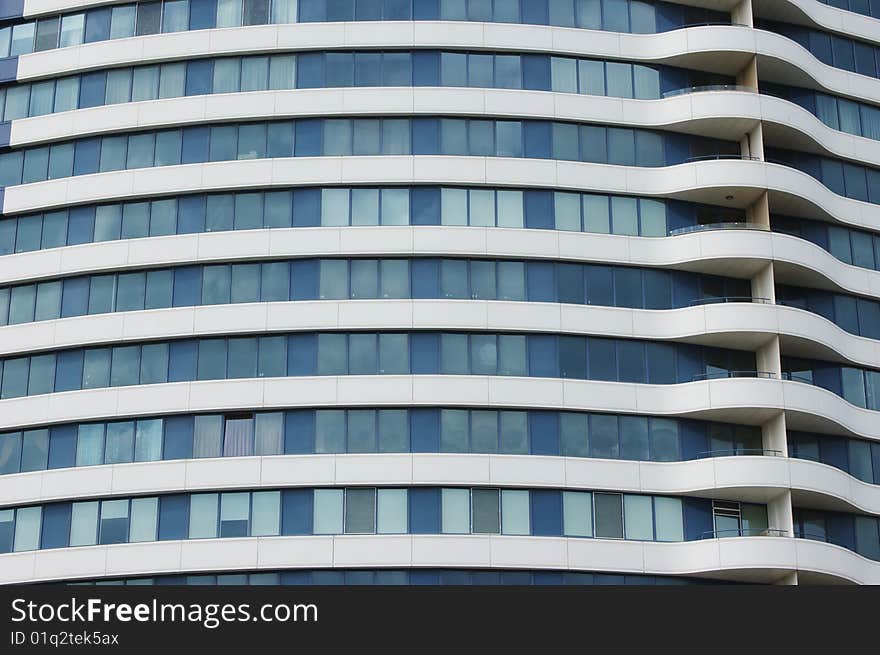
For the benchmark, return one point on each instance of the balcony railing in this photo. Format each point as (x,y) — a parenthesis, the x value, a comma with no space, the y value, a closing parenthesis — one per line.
(744,532)
(713,300)
(720,375)
(738,452)
(722,156)
(703,88)
(724,225)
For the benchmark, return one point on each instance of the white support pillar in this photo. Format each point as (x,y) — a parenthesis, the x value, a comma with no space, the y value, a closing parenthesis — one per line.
(748,75)
(742,13)
(764,283)
(759,211)
(752,143)
(773,434)
(779,513)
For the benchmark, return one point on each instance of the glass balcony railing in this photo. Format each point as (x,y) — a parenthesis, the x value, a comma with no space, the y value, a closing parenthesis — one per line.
(703,88)
(718,226)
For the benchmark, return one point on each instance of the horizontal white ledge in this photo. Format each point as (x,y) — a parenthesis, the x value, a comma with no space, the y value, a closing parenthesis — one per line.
(754,479)
(723,49)
(750,401)
(293,37)
(791,191)
(724,252)
(818,15)
(731,325)
(719,114)
(747,559)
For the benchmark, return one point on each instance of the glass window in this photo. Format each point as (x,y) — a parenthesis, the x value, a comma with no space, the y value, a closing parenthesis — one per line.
(334,207)
(48,302)
(624,216)
(148,441)
(284,11)
(596,214)
(175,15)
(208,436)
(7,516)
(514,436)
(15,378)
(609,517)
(148,18)
(66,98)
(84,524)
(144,519)
(90,444)
(118,87)
(395,206)
(455,511)
(145,83)
(34,450)
(577,514)
(453,207)
(510,208)
(96,368)
(17,98)
(454,354)
(480,70)
(482,207)
(229,13)
(42,95)
(604,436)
(638,517)
(515,511)
(360,511)
(266,519)
(361,431)
(22,39)
(391,513)
(485,511)
(125,366)
(754,519)
(393,431)
(256,12)
(27,527)
(102,290)
(172,80)
(10,452)
(268,433)
(634,438)
(853,386)
(72,30)
(669,519)
(113,151)
(454,431)
(122,21)
(330,431)
(665,440)
(508,72)
(114,522)
(574,434)
(328,515)
(567,211)
(203,516)
(563,75)
(234,514)
(119,443)
(367,137)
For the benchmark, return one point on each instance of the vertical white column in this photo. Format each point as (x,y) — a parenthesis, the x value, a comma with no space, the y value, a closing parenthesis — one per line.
(742,13)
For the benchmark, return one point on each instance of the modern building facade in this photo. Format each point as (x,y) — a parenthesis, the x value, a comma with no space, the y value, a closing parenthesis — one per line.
(440,291)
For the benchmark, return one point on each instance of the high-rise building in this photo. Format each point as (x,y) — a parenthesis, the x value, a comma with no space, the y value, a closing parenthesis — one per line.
(440,291)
